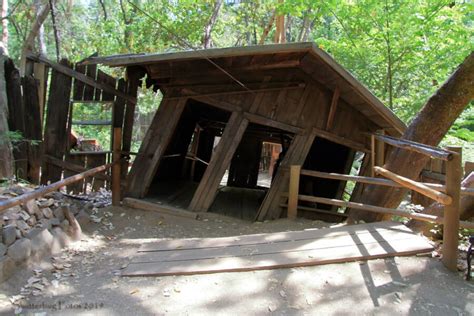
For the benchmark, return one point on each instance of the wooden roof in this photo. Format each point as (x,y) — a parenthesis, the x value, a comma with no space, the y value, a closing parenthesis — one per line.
(306,56)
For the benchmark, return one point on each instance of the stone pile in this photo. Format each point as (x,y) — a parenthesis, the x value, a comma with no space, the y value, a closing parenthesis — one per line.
(40,227)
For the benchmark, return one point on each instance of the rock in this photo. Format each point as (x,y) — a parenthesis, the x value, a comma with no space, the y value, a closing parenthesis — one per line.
(60,240)
(31,221)
(31,207)
(59,213)
(7,268)
(33,232)
(20,250)
(46,203)
(83,218)
(47,213)
(3,249)
(55,195)
(46,223)
(18,234)
(64,225)
(54,222)
(75,209)
(22,226)
(9,234)
(42,242)
(24,215)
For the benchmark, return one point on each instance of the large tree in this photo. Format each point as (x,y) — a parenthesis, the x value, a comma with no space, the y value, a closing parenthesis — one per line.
(429,127)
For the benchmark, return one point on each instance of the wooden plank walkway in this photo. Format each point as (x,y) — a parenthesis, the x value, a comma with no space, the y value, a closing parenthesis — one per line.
(275,250)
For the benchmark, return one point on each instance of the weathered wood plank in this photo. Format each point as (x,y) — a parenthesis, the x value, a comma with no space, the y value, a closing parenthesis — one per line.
(34,130)
(220,161)
(78,91)
(362,244)
(55,137)
(296,155)
(16,117)
(153,146)
(89,90)
(163,209)
(80,162)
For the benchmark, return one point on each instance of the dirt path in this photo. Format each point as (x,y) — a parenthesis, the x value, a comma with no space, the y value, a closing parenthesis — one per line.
(85,278)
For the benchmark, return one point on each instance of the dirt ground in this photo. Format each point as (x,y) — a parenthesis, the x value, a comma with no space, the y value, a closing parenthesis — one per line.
(89,282)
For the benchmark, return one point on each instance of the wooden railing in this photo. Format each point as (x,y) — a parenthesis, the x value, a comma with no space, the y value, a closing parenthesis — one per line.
(448,194)
(41,191)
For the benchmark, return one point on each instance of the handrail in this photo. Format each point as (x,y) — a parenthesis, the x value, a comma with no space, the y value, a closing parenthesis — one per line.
(428,150)
(52,187)
(416,186)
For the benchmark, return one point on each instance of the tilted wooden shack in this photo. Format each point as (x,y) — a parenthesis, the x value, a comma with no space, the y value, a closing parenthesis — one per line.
(292,94)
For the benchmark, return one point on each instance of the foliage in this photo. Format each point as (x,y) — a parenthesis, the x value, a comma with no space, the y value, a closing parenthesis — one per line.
(402,50)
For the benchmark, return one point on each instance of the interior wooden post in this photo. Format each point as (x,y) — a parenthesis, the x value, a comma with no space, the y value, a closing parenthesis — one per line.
(380,150)
(117,147)
(293,191)
(220,160)
(153,146)
(451,211)
(296,155)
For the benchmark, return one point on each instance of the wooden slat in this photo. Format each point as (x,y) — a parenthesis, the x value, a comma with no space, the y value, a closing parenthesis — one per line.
(293,191)
(55,136)
(416,186)
(258,119)
(163,209)
(220,161)
(78,162)
(78,91)
(341,140)
(280,250)
(79,76)
(153,146)
(332,109)
(296,155)
(89,90)
(255,239)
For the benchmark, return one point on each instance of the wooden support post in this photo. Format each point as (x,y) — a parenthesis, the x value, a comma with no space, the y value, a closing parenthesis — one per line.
(293,191)
(380,150)
(372,155)
(117,147)
(451,211)
(220,161)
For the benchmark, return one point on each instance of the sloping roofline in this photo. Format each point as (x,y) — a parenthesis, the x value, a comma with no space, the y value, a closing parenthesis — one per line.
(309,47)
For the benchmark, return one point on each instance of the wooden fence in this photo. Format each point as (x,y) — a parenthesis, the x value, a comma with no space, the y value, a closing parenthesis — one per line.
(448,194)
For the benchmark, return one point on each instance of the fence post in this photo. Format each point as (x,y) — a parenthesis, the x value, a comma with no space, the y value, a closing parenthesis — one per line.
(380,150)
(117,145)
(451,211)
(293,191)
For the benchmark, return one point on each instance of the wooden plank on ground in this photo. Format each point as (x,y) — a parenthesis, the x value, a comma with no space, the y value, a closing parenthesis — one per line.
(359,242)
(155,207)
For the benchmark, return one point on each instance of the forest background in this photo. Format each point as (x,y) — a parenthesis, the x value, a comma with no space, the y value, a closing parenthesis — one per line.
(402,50)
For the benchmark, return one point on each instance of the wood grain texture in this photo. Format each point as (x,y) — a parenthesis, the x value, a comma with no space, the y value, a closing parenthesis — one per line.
(277,250)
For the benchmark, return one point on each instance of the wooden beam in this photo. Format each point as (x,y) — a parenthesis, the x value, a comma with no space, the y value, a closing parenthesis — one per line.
(81,77)
(161,209)
(153,146)
(333,108)
(293,191)
(262,120)
(50,188)
(317,210)
(296,155)
(117,147)
(220,161)
(341,140)
(226,106)
(380,150)
(190,93)
(381,210)
(451,211)
(415,186)
(72,167)
(431,151)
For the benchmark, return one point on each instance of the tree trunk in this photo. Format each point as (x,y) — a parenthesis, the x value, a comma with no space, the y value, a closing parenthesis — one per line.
(6,155)
(3,14)
(466,208)
(428,127)
(207,39)
(41,42)
(29,43)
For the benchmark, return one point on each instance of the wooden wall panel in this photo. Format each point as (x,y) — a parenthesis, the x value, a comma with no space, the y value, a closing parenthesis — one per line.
(220,161)
(154,144)
(55,137)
